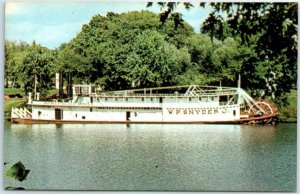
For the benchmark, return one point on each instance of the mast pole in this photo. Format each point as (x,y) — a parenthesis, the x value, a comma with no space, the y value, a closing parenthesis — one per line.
(239,81)
(35,80)
(239,90)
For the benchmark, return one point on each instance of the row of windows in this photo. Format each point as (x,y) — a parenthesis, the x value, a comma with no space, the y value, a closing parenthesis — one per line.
(128,108)
(126,98)
(212,98)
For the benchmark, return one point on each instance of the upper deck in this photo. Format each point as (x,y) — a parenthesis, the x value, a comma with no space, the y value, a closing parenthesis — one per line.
(200,96)
(172,91)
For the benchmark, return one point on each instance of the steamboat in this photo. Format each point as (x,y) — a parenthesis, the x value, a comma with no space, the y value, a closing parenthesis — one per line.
(177,104)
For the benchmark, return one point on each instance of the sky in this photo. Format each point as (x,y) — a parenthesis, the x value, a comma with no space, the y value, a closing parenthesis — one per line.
(53,23)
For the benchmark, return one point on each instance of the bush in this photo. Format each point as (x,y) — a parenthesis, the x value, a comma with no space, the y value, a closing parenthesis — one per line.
(289,113)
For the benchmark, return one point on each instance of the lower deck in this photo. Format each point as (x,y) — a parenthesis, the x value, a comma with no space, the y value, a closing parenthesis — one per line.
(268,119)
(182,113)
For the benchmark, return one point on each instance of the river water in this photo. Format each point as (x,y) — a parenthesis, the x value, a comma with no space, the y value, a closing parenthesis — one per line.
(157,157)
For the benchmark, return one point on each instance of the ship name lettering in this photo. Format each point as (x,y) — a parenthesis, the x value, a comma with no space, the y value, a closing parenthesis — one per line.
(170,110)
(185,111)
(216,111)
(192,111)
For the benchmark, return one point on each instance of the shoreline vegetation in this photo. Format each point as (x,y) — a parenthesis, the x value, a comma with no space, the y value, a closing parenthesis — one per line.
(255,43)
(14,98)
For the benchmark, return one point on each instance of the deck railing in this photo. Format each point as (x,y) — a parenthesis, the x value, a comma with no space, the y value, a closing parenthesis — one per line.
(21,113)
(180,95)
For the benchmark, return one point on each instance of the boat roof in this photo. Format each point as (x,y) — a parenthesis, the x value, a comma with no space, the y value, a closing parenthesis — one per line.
(184,90)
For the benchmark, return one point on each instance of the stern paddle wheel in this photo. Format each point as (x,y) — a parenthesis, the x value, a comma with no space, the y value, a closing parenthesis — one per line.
(265,110)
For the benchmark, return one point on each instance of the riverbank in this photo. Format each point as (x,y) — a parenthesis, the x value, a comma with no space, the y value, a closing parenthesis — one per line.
(13,102)
(288,113)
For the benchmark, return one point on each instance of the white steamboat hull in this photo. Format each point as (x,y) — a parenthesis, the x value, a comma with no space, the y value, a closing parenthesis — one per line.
(196,105)
(222,114)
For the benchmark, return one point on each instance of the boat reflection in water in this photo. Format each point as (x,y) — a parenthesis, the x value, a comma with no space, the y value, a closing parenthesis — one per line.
(186,157)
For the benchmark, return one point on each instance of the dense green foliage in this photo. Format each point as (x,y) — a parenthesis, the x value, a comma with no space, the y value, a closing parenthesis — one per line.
(126,50)
(29,66)
(131,50)
(137,49)
(269,32)
(288,113)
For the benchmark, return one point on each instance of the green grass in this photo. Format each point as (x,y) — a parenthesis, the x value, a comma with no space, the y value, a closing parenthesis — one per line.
(13,102)
(288,113)
(20,91)
(292,98)
(18,102)
(11,91)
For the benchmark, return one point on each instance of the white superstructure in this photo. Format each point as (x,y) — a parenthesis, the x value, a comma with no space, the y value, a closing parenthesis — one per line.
(179,104)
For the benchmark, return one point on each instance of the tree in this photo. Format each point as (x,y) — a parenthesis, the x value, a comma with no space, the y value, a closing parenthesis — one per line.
(35,73)
(154,62)
(171,13)
(214,62)
(104,51)
(29,66)
(270,31)
(15,53)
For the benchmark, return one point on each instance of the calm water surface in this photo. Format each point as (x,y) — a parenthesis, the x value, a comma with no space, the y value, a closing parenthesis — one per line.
(153,157)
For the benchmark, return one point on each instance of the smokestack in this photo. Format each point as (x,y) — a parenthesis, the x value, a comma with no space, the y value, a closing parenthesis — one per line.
(60,85)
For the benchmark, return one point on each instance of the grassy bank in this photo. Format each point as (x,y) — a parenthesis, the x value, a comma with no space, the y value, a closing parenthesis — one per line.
(13,102)
(13,91)
(289,113)
(14,97)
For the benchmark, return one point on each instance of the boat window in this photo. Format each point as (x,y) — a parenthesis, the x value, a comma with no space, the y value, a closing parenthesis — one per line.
(83,117)
(126,99)
(212,98)
(142,98)
(190,98)
(160,100)
(39,113)
(105,98)
(91,109)
(234,113)
(223,100)
(116,99)
(200,98)
(151,99)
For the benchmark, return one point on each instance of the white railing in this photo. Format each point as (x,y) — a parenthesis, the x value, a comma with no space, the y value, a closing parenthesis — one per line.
(21,113)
